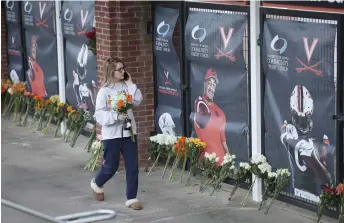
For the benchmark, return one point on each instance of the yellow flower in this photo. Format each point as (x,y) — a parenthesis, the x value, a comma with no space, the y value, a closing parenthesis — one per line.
(55,98)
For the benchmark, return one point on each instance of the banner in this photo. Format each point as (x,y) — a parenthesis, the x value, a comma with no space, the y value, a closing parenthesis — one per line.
(217,69)
(12,11)
(298,63)
(81,72)
(215,36)
(15,55)
(77,17)
(168,112)
(40,14)
(41,51)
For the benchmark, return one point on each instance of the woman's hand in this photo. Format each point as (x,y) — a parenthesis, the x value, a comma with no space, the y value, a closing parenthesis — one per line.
(129,81)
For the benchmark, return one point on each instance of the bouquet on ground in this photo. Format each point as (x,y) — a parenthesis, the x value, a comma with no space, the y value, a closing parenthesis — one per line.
(38,107)
(5,95)
(46,104)
(241,174)
(91,139)
(260,168)
(96,152)
(179,150)
(72,116)
(59,115)
(16,91)
(51,110)
(331,197)
(195,148)
(121,103)
(160,145)
(29,102)
(79,124)
(211,172)
(227,169)
(269,187)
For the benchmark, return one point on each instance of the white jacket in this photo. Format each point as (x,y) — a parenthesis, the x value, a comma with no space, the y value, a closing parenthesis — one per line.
(111,127)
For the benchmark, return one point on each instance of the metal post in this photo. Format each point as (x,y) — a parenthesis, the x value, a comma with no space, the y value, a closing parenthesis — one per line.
(60,57)
(256,110)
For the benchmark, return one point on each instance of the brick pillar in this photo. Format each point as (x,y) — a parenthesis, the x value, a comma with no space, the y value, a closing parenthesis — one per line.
(4,62)
(121,32)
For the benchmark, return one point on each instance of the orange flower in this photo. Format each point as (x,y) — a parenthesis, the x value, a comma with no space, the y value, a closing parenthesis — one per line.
(27,94)
(340,189)
(47,102)
(129,98)
(109,101)
(120,104)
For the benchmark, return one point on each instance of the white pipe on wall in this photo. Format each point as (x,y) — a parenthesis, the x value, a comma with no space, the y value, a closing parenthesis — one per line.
(256,121)
(60,57)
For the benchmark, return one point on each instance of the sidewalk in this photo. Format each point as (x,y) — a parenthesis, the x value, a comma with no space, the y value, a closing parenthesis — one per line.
(45,174)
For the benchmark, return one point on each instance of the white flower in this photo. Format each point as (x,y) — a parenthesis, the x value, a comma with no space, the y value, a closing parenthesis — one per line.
(258,159)
(264,168)
(245,166)
(281,172)
(232,167)
(217,159)
(206,155)
(10,91)
(272,174)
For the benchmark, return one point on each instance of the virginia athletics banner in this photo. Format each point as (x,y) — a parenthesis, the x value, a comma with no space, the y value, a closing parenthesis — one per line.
(217,69)
(298,63)
(12,11)
(167,71)
(77,17)
(38,14)
(15,54)
(81,66)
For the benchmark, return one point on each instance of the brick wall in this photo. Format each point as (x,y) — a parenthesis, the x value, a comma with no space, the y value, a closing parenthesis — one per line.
(4,72)
(121,32)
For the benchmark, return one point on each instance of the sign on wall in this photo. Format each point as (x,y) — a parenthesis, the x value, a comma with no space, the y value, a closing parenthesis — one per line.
(217,69)
(168,111)
(298,63)
(80,63)
(15,54)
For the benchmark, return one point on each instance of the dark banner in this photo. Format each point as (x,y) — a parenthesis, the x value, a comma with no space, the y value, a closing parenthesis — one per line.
(164,24)
(40,14)
(15,55)
(215,37)
(220,108)
(298,62)
(81,72)
(77,17)
(41,51)
(167,71)
(168,113)
(12,11)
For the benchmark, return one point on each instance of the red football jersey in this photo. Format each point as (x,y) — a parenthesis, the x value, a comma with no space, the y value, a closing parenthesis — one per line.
(37,85)
(213,134)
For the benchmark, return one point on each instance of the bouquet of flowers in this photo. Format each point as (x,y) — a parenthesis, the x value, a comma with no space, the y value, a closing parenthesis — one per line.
(38,106)
(331,196)
(194,147)
(210,170)
(91,36)
(5,95)
(160,144)
(72,115)
(96,152)
(46,104)
(121,103)
(241,174)
(29,101)
(282,180)
(179,150)
(269,188)
(91,139)
(60,114)
(79,124)
(227,168)
(16,91)
(51,110)
(260,168)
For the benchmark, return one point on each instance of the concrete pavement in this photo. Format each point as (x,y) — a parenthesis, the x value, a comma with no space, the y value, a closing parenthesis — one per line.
(45,174)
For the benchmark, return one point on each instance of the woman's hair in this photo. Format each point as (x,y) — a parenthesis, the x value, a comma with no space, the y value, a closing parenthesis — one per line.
(109,67)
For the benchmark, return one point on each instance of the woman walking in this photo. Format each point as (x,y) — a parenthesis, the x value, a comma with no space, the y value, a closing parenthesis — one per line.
(115,138)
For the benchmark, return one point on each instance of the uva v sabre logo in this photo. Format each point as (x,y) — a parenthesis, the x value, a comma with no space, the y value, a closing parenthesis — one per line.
(68,16)
(41,21)
(167,81)
(225,40)
(309,50)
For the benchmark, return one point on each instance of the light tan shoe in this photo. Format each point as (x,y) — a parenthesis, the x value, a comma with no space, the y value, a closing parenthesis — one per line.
(98,192)
(133,204)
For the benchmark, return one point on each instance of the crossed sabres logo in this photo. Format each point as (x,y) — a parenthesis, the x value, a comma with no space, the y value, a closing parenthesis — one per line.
(68,16)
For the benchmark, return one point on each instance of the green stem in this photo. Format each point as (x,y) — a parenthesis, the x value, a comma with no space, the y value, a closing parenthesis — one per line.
(91,139)
(26,114)
(272,201)
(249,191)
(216,186)
(45,131)
(174,168)
(57,128)
(155,162)
(184,165)
(166,164)
(34,118)
(68,135)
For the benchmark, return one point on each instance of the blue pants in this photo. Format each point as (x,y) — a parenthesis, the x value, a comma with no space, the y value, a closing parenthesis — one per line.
(112,150)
